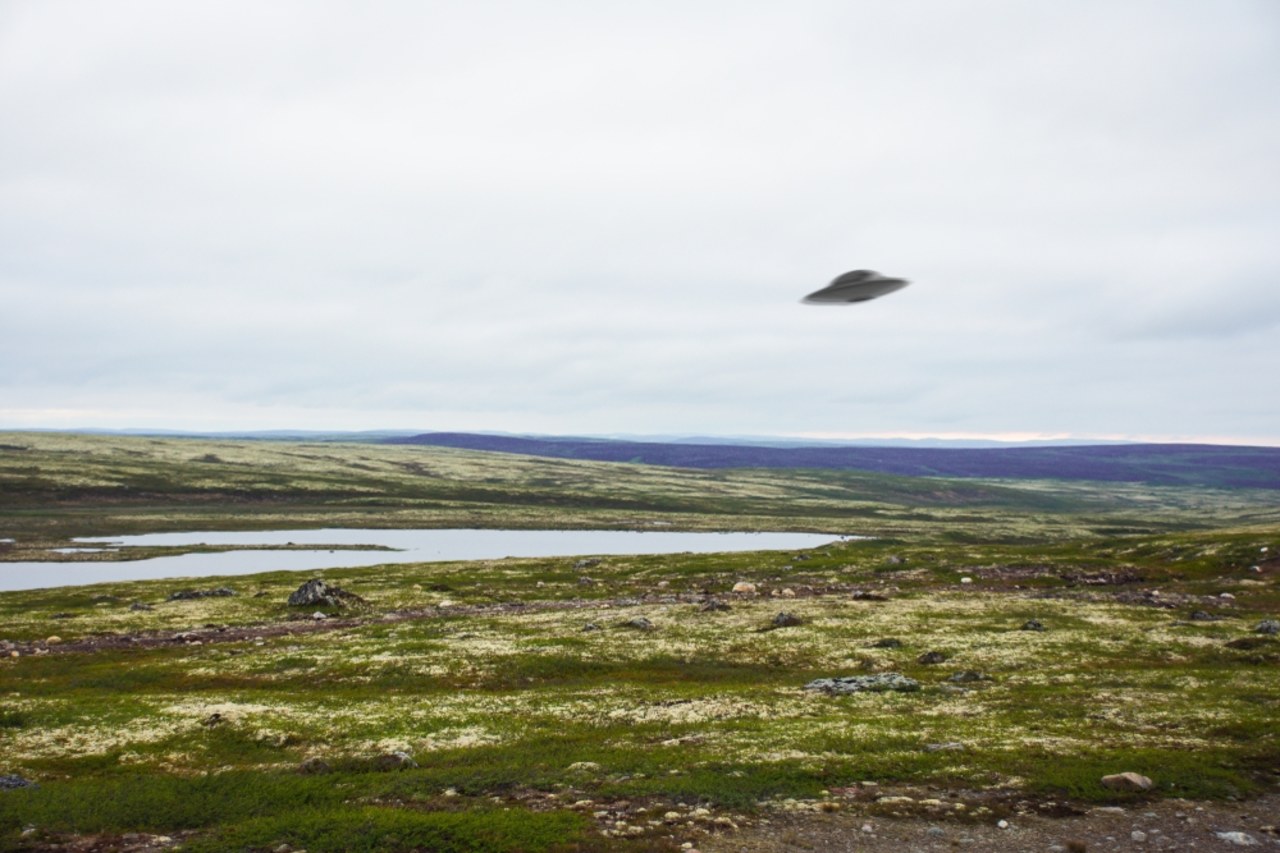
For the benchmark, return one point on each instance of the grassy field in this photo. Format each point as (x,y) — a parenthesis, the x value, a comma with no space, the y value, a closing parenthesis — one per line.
(520,705)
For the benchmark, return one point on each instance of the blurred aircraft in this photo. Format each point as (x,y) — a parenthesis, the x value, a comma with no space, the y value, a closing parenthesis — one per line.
(856,286)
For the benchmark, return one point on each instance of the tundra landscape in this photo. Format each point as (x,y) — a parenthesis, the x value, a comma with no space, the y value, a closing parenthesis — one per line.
(968,674)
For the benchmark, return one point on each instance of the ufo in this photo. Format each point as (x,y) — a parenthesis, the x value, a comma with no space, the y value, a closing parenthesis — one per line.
(856,286)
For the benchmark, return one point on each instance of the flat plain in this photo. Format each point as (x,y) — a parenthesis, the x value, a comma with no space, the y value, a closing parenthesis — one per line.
(1056,631)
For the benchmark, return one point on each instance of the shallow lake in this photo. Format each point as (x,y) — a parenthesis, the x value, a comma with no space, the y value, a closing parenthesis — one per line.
(412,546)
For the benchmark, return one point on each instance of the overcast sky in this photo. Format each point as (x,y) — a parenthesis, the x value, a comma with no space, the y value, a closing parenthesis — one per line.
(595,217)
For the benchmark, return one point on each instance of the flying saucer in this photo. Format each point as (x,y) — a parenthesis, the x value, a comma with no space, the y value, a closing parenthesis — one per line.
(856,286)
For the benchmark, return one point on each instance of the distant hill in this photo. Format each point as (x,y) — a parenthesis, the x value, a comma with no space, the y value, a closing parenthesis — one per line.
(1223,466)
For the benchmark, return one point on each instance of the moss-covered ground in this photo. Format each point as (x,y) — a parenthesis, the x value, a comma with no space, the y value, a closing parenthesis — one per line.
(538,720)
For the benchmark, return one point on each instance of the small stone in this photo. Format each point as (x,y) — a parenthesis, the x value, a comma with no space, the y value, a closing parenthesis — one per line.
(590,626)
(639,623)
(1032,625)
(139,607)
(1240,839)
(966,580)
(1268,626)
(10,781)
(1138,835)
(887,643)
(968,676)
(1003,824)
(318,616)
(397,760)
(1127,781)
(936,831)
(1226,596)
(214,719)
(712,605)
(1201,616)
(785,620)
(864,595)
(53,641)
(931,658)
(745,588)
(866,827)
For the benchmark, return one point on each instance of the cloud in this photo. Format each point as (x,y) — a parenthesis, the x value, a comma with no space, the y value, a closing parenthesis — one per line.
(601,219)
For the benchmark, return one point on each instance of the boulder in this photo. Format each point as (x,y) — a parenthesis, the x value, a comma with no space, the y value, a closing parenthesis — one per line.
(317,593)
(1127,781)
(864,684)
(1268,626)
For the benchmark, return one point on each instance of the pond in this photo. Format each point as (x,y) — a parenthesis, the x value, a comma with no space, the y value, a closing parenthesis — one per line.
(410,546)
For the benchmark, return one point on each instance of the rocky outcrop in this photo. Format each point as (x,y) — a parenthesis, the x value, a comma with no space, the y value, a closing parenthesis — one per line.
(317,593)
(864,684)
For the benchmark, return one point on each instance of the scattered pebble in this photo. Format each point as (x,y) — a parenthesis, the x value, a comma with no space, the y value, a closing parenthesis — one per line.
(1240,839)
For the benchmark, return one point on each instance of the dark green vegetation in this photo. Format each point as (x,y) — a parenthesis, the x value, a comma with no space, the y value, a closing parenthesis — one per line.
(1155,464)
(197,718)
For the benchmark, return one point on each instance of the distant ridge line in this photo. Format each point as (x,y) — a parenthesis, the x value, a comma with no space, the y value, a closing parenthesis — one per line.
(1225,466)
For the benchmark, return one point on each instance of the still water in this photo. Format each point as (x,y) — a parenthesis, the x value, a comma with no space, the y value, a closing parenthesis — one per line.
(411,546)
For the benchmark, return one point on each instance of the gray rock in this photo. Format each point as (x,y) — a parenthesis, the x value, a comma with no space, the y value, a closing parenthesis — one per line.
(785,620)
(639,623)
(864,683)
(712,605)
(317,593)
(10,781)
(192,594)
(587,563)
(1032,625)
(139,606)
(1268,626)
(1202,616)
(1239,839)
(931,657)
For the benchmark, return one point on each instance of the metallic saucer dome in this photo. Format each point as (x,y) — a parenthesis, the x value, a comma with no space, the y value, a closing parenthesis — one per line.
(855,286)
